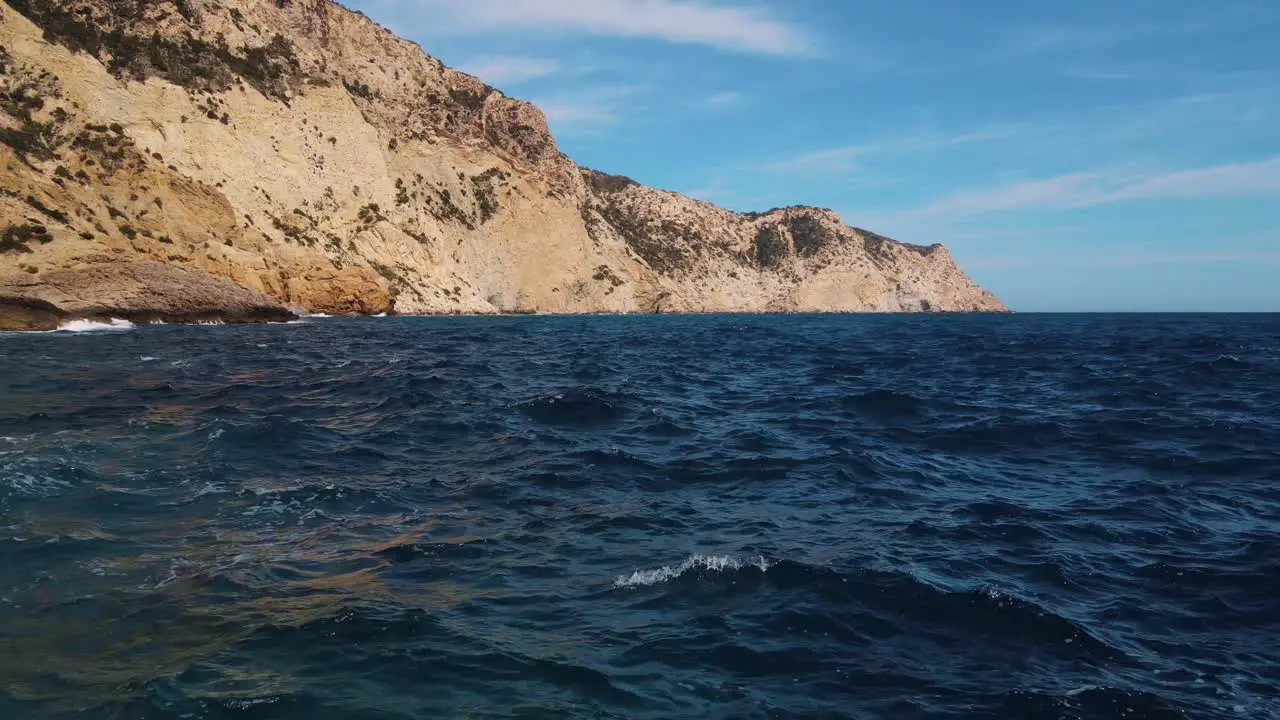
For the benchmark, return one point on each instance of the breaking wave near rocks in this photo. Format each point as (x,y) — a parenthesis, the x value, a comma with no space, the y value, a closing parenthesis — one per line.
(83,326)
(932,517)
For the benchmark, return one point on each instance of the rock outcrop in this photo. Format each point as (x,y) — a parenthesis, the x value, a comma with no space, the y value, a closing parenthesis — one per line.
(139,291)
(24,313)
(299,150)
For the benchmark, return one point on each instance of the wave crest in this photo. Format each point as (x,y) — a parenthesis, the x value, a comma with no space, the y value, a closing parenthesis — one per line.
(693,563)
(584,408)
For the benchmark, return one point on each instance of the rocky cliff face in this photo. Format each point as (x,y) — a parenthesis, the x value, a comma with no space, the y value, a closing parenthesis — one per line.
(300,150)
(140,291)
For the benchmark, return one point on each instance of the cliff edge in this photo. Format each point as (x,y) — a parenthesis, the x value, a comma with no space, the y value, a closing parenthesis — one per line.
(299,150)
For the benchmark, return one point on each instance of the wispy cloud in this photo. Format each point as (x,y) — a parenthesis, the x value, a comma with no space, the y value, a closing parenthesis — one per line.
(1024,41)
(1122,258)
(1053,193)
(1100,74)
(845,158)
(568,112)
(1217,110)
(1228,180)
(509,69)
(710,193)
(1091,189)
(589,108)
(1030,41)
(739,28)
(726,100)
(948,215)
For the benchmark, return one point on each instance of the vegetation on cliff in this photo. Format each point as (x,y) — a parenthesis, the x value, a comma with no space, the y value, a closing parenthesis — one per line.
(124,38)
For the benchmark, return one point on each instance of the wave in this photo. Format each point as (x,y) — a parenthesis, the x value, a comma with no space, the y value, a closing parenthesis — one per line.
(697,564)
(887,405)
(315,498)
(83,326)
(1093,701)
(575,407)
(1040,536)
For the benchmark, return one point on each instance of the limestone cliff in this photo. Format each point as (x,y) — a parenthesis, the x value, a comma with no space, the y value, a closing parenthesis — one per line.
(299,149)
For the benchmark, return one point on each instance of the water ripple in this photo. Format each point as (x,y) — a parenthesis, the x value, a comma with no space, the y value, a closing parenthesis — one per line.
(819,517)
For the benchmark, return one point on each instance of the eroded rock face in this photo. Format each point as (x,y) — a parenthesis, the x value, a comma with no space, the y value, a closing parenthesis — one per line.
(351,291)
(140,291)
(24,313)
(300,150)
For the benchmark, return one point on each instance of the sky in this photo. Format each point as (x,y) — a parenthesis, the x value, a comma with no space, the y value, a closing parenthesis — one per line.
(1082,155)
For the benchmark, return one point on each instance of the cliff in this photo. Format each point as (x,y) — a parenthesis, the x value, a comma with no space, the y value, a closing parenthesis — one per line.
(300,150)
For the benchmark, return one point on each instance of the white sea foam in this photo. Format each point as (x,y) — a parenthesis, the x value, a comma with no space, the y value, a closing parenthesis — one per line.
(705,563)
(80,326)
(15,481)
(1082,690)
(146,358)
(210,489)
(380,315)
(260,492)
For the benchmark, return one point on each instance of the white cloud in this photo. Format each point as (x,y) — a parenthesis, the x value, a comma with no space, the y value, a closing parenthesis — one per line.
(728,27)
(509,69)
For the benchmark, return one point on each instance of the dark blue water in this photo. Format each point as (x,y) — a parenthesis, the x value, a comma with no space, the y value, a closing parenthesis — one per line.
(723,517)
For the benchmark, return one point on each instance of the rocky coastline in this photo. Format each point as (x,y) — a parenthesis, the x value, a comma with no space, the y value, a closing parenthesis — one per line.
(137,292)
(300,152)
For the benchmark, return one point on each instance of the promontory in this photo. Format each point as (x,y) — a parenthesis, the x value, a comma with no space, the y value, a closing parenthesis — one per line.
(311,161)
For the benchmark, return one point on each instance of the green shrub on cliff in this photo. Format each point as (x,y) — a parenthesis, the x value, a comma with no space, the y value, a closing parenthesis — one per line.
(810,235)
(47,211)
(16,237)
(486,194)
(606,183)
(35,139)
(771,247)
(125,39)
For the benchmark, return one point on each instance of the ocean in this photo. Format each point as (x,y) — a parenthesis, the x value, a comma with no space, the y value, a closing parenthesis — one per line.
(932,516)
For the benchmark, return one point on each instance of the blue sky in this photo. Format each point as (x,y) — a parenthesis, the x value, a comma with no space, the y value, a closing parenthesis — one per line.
(1083,155)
